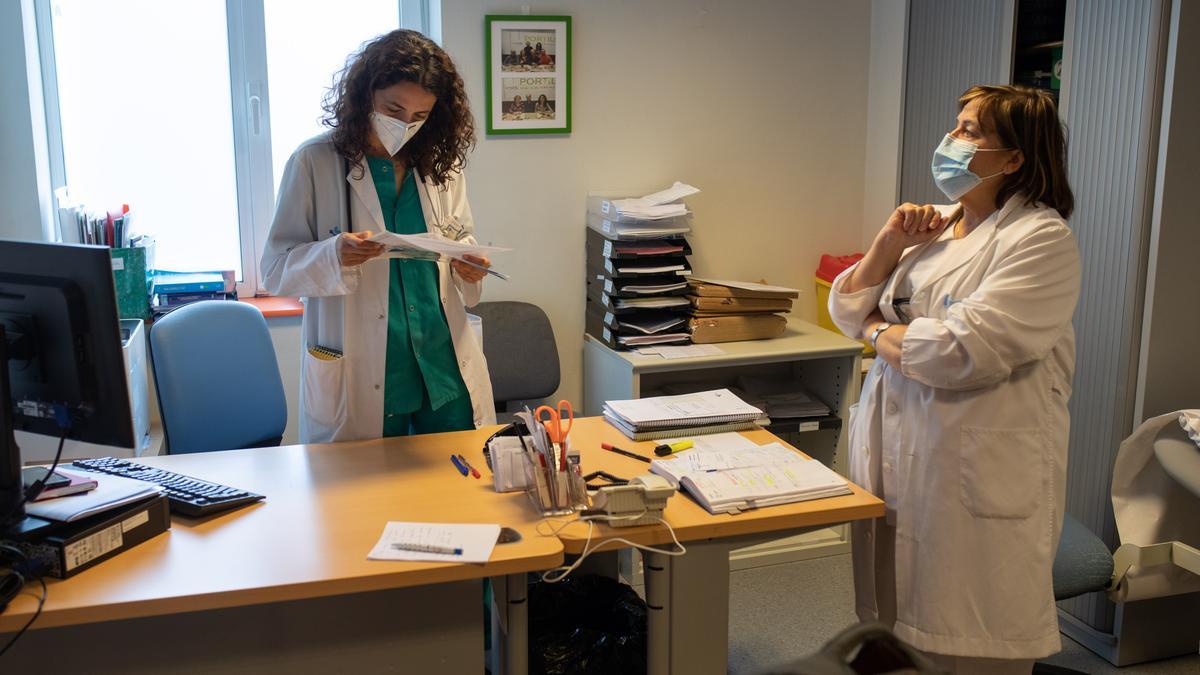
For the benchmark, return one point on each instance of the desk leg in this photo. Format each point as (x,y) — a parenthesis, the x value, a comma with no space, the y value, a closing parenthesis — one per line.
(656,572)
(698,640)
(510,624)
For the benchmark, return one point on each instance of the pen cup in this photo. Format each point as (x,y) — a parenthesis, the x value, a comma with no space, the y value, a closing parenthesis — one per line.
(556,492)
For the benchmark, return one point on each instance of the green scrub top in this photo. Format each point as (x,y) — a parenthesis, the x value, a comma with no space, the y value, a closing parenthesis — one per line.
(421,363)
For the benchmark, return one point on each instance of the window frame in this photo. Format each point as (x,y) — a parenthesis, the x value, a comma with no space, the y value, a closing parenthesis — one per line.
(250,111)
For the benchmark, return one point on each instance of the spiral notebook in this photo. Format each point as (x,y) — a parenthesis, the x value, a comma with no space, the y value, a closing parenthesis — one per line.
(704,408)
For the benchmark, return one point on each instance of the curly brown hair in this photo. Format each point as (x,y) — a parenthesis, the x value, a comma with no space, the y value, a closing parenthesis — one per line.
(1027,119)
(403,56)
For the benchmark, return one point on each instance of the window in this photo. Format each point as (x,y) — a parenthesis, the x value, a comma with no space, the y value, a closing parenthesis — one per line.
(167,107)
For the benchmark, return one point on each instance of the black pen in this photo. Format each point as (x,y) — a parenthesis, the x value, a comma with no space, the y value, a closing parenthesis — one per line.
(634,455)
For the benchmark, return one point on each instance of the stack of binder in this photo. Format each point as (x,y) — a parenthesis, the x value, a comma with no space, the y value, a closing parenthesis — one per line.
(637,270)
(726,311)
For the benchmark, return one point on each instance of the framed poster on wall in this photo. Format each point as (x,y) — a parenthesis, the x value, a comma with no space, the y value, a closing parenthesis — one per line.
(528,84)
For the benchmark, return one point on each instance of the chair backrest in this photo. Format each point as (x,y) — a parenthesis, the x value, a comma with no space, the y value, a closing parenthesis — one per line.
(217,378)
(520,349)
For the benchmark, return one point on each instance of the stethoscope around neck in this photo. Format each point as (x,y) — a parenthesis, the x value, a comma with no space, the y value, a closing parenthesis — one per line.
(440,223)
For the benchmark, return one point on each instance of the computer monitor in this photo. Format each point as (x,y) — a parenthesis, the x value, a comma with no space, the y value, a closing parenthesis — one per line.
(61,358)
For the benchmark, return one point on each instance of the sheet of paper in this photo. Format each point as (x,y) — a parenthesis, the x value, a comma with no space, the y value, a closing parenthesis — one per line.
(723,442)
(672,194)
(686,407)
(657,205)
(689,351)
(651,325)
(437,246)
(475,540)
(652,302)
(747,285)
(657,338)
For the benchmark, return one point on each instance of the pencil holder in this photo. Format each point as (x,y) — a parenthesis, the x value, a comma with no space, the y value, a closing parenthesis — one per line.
(556,491)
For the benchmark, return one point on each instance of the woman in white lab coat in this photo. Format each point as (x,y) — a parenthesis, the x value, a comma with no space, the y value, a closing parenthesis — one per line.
(962,424)
(387,349)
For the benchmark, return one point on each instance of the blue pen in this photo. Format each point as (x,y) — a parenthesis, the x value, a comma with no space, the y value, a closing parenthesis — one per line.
(461,468)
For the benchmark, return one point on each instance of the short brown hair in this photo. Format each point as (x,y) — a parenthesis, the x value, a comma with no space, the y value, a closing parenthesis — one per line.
(403,56)
(1027,119)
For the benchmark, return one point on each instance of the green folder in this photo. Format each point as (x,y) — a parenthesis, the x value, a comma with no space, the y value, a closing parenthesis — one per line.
(132,282)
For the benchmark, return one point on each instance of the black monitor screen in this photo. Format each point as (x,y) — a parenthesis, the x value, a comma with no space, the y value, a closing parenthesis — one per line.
(59,313)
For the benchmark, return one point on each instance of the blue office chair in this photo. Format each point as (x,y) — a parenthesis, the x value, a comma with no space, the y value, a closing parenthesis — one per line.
(217,378)
(522,355)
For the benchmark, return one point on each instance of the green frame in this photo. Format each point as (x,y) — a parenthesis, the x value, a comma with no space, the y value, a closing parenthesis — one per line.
(488,20)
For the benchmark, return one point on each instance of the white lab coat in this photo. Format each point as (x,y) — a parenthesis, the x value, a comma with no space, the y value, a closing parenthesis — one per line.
(346,308)
(967,442)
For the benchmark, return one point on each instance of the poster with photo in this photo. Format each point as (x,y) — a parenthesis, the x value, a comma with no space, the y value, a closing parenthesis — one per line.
(529,74)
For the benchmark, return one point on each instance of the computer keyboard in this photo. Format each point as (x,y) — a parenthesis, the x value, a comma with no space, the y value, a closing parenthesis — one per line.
(188,496)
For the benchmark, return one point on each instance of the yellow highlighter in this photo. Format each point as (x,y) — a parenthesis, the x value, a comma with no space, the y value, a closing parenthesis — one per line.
(667,448)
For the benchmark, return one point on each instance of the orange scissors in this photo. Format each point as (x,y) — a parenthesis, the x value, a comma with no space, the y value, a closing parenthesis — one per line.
(554,424)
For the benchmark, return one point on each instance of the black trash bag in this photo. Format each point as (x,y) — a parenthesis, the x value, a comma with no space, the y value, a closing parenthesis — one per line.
(586,625)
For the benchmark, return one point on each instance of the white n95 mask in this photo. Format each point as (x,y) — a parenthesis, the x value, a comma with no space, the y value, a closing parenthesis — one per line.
(393,133)
(950,172)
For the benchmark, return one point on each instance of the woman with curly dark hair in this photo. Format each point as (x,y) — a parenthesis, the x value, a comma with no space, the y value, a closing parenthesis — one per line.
(387,350)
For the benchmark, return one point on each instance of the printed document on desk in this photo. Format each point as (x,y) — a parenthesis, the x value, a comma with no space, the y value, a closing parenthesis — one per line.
(475,540)
(750,477)
(720,405)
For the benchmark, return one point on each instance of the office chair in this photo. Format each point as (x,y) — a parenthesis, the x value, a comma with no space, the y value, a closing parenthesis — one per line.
(521,352)
(217,378)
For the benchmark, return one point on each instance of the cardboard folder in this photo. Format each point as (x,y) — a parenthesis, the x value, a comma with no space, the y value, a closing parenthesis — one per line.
(705,306)
(734,327)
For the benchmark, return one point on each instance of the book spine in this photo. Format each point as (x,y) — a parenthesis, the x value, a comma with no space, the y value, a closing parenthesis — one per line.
(193,287)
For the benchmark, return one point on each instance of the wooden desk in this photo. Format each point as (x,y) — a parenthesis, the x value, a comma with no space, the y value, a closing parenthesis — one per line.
(287,581)
(688,595)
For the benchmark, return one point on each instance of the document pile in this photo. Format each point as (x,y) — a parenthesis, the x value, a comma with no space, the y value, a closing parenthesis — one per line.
(112,492)
(637,269)
(705,412)
(734,474)
(726,311)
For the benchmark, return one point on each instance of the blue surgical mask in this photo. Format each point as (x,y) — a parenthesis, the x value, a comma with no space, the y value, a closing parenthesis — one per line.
(950,162)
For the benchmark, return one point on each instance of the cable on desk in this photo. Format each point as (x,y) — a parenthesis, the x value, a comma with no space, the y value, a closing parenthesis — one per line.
(557,574)
(13,582)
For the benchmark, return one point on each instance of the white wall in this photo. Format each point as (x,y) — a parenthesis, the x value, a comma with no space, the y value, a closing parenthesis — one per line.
(24,169)
(760,104)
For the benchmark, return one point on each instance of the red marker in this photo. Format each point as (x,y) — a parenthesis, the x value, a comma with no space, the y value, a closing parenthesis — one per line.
(612,448)
(468,465)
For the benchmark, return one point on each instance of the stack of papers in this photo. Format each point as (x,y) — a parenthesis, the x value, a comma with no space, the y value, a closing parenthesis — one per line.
(658,205)
(436,542)
(112,491)
(745,476)
(701,412)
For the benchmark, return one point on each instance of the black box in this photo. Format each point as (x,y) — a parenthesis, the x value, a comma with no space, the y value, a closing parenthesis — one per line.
(66,549)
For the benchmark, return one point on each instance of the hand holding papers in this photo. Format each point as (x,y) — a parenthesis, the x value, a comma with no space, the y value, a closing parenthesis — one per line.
(427,246)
